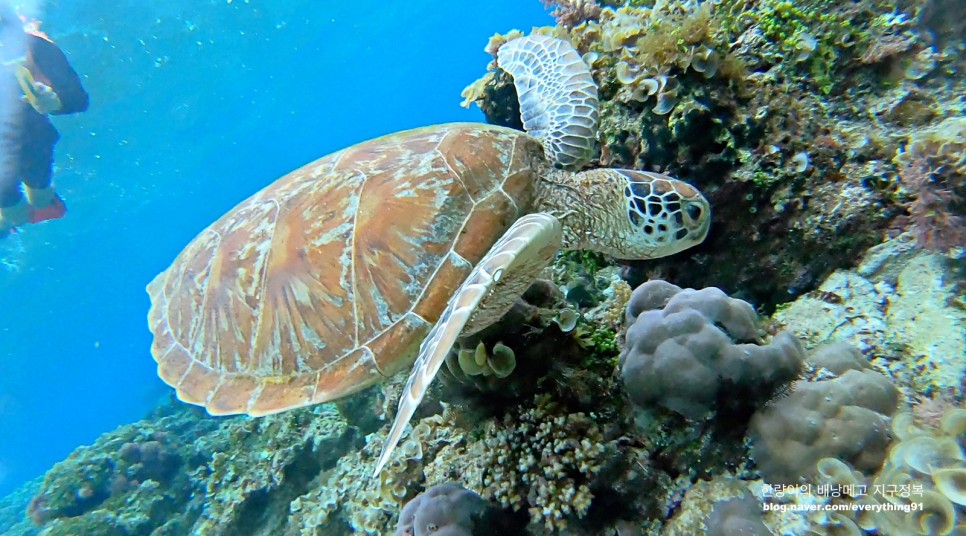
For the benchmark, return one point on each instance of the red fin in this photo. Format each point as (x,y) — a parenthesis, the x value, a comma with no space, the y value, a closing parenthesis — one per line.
(54,211)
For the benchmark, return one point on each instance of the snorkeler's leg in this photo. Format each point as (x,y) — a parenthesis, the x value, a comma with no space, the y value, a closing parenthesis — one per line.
(36,163)
(14,210)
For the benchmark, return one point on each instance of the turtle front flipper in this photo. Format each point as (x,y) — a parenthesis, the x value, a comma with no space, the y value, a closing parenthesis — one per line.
(557,94)
(508,268)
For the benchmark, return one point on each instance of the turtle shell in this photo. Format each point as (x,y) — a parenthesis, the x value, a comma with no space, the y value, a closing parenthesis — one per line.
(328,280)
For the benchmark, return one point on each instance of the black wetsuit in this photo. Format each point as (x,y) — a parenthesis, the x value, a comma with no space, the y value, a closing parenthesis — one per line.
(33,139)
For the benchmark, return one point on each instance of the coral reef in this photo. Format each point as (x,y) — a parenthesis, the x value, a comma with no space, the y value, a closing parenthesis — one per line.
(556,444)
(129,480)
(694,512)
(13,522)
(542,462)
(345,498)
(309,471)
(183,470)
(692,350)
(843,413)
(788,115)
(899,307)
(698,503)
(277,457)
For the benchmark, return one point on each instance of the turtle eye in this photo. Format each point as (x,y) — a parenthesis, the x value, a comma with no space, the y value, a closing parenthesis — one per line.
(694,212)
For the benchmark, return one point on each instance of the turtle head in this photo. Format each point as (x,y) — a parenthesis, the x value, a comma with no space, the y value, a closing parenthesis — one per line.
(662,215)
(627,214)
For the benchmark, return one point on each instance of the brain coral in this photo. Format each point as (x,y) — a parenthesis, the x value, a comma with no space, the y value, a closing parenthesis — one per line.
(686,349)
(846,416)
(442,510)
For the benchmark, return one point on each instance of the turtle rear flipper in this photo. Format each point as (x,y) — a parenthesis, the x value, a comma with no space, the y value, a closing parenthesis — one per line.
(557,94)
(507,270)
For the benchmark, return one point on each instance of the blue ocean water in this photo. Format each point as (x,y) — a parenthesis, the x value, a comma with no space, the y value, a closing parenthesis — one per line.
(194,107)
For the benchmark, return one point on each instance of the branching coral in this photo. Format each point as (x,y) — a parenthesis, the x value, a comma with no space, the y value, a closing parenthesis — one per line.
(543,460)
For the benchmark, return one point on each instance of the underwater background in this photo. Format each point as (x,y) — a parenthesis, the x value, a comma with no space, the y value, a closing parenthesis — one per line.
(802,371)
(193,108)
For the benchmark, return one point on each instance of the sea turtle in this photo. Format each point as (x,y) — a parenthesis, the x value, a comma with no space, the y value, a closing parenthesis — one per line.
(341,273)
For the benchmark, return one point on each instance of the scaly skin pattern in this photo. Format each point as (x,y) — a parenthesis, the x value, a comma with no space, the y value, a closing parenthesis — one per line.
(624,213)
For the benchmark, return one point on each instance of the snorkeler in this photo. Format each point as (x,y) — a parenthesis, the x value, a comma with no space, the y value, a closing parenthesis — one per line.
(40,81)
